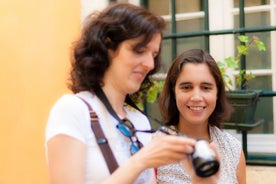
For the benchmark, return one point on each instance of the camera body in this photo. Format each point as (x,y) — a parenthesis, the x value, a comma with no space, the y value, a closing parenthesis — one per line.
(203,158)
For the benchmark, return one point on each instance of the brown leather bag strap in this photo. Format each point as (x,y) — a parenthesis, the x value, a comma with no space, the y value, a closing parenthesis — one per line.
(101,139)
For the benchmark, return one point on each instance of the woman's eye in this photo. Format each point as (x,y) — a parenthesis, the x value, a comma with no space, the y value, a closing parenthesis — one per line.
(186,87)
(206,88)
(139,51)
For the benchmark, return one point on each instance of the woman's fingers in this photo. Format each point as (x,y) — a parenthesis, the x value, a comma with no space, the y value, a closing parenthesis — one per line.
(179,144)
(166,149)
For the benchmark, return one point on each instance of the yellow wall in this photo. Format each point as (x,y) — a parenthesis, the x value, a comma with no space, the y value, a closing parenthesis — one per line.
(35,37)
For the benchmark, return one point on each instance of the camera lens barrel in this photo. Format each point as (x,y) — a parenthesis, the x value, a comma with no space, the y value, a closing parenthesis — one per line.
(204,159)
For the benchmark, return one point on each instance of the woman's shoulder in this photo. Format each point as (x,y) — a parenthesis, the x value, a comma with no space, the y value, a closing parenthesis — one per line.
(75,99)
(68,102)
(223,137)
(68,116)
(65,102)
(222,133)
(227,144)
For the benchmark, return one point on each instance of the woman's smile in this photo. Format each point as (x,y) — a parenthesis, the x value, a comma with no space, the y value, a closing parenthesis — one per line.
(196,108)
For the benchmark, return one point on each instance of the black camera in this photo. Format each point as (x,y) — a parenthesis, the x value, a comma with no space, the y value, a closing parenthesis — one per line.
(203,158)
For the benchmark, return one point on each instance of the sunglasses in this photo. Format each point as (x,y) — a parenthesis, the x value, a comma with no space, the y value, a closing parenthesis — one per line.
(127,129)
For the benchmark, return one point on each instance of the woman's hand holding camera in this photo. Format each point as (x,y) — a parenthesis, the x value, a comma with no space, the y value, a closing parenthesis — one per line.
(164,149)
(188,166)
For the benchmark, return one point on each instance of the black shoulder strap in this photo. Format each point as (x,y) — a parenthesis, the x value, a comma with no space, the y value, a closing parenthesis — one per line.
(101,139)
(100,94)
(131,103)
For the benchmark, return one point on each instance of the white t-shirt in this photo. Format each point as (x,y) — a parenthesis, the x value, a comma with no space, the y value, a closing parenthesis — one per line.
(70,116)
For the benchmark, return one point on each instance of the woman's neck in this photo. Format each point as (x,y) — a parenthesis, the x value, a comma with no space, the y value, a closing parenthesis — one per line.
(195,131)
(116,100)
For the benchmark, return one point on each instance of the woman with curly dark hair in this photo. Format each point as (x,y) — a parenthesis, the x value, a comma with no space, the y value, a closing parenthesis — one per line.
(118,51)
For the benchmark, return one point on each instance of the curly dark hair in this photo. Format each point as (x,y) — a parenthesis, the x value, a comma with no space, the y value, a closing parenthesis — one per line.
(107,30)
(167,101)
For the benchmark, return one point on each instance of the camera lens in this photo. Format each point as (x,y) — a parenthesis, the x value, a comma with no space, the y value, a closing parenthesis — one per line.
(204,159)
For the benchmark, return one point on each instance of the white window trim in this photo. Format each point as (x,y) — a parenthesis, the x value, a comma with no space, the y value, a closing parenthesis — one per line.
(253,9)
(186,16)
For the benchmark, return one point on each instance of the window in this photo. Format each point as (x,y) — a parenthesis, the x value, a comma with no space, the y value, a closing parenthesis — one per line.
(221,19)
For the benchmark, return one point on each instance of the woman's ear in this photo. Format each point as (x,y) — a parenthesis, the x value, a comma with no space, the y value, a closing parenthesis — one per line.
(108,43)
(111,53)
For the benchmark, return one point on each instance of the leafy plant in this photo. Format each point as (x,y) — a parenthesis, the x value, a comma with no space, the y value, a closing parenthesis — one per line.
(152,93)
(233,62)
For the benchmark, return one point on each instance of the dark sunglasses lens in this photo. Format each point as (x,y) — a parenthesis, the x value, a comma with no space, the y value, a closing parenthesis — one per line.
(134,148)
(127,123)
(124,130)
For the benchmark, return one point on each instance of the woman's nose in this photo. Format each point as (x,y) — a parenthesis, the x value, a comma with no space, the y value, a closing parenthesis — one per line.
(148,62)
(196,95)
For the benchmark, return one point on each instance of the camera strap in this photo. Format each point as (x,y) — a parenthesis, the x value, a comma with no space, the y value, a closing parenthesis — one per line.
(100,94)
(101,139)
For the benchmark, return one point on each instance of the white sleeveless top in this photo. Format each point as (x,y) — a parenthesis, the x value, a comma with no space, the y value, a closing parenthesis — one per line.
(70,116)
(229,149)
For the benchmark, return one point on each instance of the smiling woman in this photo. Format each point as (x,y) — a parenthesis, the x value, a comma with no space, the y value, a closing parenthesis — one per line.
(193,101)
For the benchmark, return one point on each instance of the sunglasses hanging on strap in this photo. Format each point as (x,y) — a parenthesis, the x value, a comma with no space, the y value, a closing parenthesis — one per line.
(101,139)
(125,126)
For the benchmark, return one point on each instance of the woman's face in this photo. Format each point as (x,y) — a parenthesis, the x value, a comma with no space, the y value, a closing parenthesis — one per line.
(195,94)
(129,67)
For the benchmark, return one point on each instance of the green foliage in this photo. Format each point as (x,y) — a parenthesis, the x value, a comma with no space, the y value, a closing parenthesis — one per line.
(152,93)
(233,62)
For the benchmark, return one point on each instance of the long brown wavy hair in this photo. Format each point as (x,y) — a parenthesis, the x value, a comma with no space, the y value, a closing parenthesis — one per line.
(107,30)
